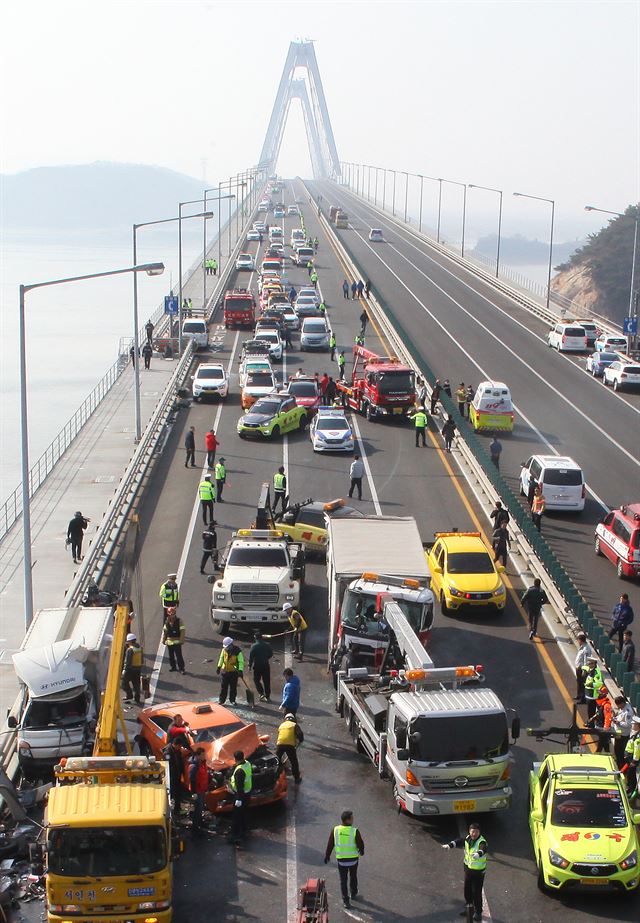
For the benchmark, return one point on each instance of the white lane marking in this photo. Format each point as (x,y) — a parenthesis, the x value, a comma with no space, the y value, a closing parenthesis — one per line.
(524,417)
(157,664)
(505,313)
(367,468)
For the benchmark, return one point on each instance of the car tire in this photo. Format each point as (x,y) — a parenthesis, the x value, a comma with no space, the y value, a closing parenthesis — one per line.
(443,605)
(616,385)
(303,422)
(369,414)
(541,883)
(143,747)
(620,570)
(221,627)
(275,432)
(596,547)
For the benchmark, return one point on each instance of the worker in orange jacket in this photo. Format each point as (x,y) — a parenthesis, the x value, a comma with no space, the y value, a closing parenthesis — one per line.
(602,718)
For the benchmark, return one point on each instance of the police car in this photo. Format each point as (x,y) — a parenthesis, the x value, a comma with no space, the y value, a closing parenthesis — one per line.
(330,431)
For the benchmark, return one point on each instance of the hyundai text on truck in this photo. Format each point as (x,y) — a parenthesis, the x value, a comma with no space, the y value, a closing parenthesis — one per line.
(63,665)
(261,570)
(379,386)
(366,557)
(444,747)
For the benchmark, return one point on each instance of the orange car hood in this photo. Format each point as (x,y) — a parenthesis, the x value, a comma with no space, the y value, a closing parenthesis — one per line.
(221,751)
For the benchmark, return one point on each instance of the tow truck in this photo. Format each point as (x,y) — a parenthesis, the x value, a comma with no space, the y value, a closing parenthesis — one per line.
(109,842)
(380,386)
(445,748)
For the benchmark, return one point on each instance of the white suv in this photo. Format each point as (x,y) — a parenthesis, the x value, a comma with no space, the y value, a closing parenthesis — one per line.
(210,380)
(562,481)
(620,374)
(567,338)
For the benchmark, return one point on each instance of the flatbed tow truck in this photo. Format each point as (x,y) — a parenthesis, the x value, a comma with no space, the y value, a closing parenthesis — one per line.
(445,748)
(380,386)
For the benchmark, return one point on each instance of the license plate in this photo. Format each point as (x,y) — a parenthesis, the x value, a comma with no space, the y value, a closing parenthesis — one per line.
(464,806)
(594,881)
(397,409)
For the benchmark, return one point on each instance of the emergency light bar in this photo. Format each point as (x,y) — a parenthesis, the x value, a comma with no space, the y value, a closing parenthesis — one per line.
(442,673)
(259,533)
(333,505)
(445,534)
(408,582)
(102,763)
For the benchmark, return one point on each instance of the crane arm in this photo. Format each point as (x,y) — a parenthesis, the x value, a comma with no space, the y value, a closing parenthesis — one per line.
(106,743)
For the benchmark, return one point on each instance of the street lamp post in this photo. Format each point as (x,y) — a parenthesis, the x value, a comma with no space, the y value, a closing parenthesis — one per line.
(136,323)
(406,195)
(499,191)
(206,215)
(636,217)
(151,269)
(438,180)
(375,190)
(368,182)
(393,206)
(384,188)
(464,206)
(420,218)
(524,195)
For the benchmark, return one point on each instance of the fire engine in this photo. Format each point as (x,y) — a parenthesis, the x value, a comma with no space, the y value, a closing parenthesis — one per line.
(379,386)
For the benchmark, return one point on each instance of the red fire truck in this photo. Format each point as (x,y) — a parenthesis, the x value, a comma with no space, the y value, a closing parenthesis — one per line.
(380,386)
(239,308)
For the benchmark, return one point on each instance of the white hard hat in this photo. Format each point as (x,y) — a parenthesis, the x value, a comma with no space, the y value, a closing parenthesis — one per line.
(227,642)
(287,606)
(131,637)
(289,717)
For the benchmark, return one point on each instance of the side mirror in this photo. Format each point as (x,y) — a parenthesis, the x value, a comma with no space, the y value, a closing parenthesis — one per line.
(401,738)
(515,728)
(12,722)
(402,754)
(211,578)
(537,816)
(636,819)
(436,569)
(500,568)
(192,377)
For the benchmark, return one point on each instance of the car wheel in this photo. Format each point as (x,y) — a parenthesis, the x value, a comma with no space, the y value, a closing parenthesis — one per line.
(303,422)
(275,432)
(616,385)
(541,883)
(620,569)
(596,546)
(143,747)
(221,627)
(443,605)
(369,413)
(594,373)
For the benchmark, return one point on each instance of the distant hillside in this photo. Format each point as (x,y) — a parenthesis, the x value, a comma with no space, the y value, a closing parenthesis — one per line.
(598,275)
(522,251)
(96,195)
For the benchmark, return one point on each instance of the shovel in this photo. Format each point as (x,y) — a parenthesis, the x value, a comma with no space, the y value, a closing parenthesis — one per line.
(251,696)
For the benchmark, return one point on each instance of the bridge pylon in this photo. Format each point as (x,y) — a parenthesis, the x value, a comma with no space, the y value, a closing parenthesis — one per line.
(325,162)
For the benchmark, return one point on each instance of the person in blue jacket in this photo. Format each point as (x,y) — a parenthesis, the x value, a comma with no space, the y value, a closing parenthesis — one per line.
(290,693)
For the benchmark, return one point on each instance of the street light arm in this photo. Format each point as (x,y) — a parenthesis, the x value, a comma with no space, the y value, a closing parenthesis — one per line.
(150,268)
(524,195)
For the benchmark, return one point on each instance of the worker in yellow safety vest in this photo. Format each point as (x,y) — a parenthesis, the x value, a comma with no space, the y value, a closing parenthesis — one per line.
(132,670)
(475,865)
(299,626)
(289,736)
(419,418)
(207,493)
(279,488)
(349,846)
(169,594)
(240,783)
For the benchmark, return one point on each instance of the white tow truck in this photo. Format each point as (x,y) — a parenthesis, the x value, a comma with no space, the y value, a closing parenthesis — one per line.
(261,571)
(365,557)
(445,748)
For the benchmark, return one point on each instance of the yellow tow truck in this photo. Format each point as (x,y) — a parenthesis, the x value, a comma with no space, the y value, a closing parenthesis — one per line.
(109,843)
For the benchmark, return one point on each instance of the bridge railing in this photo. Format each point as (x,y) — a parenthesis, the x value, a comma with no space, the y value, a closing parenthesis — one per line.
(542,559)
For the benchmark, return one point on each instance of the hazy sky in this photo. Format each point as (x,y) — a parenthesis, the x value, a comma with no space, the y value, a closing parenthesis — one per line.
(540,97)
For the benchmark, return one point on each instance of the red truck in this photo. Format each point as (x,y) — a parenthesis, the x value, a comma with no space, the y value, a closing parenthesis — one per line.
(239,308)
(380,386)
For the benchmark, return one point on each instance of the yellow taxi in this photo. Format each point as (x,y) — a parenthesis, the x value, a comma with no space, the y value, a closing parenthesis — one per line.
(306,522)
(463,572)
(582,824)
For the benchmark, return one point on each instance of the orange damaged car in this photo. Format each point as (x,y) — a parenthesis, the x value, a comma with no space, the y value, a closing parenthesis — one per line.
(220,732)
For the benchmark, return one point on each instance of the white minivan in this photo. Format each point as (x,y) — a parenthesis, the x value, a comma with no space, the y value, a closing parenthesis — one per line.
(562,480)
(568,338)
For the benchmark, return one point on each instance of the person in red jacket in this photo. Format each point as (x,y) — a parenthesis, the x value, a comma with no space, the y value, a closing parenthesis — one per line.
(211,444)
(199,782)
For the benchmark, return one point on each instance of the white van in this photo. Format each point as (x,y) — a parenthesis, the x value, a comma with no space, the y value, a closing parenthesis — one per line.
(276,235)
(197,330)
(297,237)
(562,480)
(491,408)
(568,338)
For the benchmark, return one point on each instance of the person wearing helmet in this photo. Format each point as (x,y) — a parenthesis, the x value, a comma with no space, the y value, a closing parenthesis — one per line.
(132,670)
(230,667)
(632,758)
(298,626)
(169,594)
(289,736)
(592,683)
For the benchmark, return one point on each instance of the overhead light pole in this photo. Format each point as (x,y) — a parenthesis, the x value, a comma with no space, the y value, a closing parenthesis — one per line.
(636,217)
(406,195)
(152,269)
(206,215)
(421,189)
(524,195)
(384,188)
(393,206)
(464,206)
(375,192)
(499,192)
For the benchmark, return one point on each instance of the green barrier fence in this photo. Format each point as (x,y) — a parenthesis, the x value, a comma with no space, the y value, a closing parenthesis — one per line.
(576,603)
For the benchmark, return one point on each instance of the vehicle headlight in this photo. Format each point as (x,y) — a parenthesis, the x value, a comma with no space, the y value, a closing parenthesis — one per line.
(559,861)
(220,597)
(348,435)
(455,592)
(321,436)
(289,597)
(153,905)
(630,862)
(500,589)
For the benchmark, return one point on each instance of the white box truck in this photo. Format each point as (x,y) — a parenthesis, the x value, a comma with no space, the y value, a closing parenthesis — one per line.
(62,663)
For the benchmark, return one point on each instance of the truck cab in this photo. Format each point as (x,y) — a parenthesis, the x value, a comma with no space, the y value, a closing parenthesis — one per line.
(239,308)
(380,386)
(261,571)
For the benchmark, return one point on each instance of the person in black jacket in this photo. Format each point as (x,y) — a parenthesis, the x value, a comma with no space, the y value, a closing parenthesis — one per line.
(499,515)
(190,446)
(500,543)
(209,546)
(75,534)
(533,600)
(260,654)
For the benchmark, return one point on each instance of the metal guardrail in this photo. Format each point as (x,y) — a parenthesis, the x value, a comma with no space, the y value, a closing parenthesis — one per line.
(570,606)
(12,507)
(534,307)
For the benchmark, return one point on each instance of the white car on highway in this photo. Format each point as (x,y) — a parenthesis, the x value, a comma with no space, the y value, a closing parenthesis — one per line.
(606,342)
(210,380)
(253,234)
(245,261)
(621,374)
(567,338)
(292,210)
(330,431)
(376,236)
